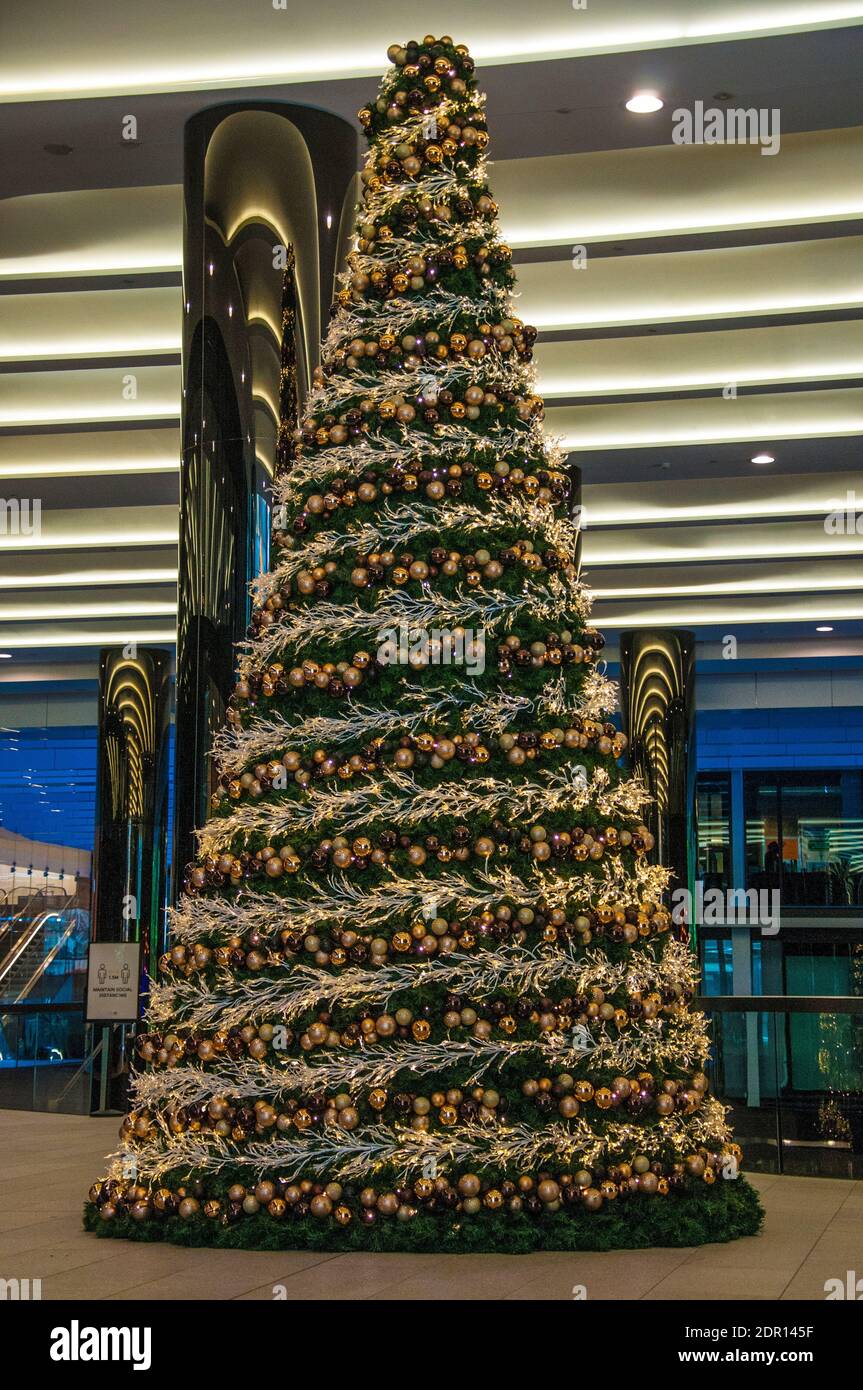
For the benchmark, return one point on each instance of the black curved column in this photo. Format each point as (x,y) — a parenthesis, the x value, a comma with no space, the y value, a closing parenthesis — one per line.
(657,696)
(131,834)
(269,192)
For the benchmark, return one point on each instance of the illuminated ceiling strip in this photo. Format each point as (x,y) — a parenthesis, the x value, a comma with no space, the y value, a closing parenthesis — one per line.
(86,639)
(695,617)
(760,550)
(60,612)
(88,468)
(72,266)
(691,313)
(738,588)
(91,541)
(534,45)
(570,233)
(622,385)
(87,579)
(58,350)
(92,415)
(593,516)
(668,438)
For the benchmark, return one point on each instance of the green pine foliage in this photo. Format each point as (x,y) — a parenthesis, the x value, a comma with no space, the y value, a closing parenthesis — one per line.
(422,992)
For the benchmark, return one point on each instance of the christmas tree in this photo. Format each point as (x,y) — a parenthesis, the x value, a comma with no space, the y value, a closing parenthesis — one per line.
(423,992)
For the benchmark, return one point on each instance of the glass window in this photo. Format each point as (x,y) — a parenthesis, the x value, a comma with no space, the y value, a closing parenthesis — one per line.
(713,820)
(804,835)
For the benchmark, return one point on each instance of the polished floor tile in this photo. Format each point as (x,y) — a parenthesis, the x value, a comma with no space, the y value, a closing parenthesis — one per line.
(813,1233)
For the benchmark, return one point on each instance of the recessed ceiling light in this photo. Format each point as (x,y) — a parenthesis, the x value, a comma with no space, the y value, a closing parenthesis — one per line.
(825,628)
(644,102)
(762,458)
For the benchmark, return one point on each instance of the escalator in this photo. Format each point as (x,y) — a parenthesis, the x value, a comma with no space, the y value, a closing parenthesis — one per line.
(43,958)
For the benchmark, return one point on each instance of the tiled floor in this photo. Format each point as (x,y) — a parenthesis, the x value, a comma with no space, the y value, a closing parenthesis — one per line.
(813,1232)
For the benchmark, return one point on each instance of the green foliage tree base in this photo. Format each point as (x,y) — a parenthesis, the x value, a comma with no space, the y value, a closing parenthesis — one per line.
(698,1215)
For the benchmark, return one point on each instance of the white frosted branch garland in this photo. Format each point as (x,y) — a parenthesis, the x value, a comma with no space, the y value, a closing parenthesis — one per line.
(397,798)
(397,524)
(655,1043)
(337,900)
(234,748)
(234,1000)
(451,443)
(490,373)
(360,1069)
(490,610)
(400,313)
(425,705)
(364,1152)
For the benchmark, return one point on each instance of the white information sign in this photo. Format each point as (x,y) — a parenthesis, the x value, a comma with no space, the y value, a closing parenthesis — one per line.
(113,975)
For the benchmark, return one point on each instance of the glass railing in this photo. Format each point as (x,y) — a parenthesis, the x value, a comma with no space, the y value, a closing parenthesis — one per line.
(45,1061)
(44,1042)
(791,1067)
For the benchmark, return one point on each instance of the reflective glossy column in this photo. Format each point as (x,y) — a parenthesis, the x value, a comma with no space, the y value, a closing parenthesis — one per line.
(657,695)
(129,872)
(269,195)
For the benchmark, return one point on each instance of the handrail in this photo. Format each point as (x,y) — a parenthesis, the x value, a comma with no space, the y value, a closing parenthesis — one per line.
(26,939)
(23,911)
(74,1006)
(87,1061)
(47,960)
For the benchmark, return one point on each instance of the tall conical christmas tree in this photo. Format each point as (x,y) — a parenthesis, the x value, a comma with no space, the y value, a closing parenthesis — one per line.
(423,992)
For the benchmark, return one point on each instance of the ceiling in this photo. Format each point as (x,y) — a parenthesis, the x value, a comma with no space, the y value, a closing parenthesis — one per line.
(697,304)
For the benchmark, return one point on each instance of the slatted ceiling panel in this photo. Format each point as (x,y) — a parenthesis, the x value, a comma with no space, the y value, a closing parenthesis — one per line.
(96,528)
(674,190)
(754,541)
(90,324)
(791,353)
(703,265)
(710,420)
(824,574)
(116,395)
(202,45)
(110,573)
(92,232)
(88,453)
(730,282)
(767,494)
(743,610)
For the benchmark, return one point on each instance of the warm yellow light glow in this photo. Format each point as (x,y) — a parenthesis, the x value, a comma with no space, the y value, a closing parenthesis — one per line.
(790,585)
(43,350)
(96,262)
(628,383)
(88,468)
(33,613)
(743,217)
(668,434)
(96,412)
(769,509)
(760,549)
(323,51)
(86,579)
(692,617)
(87,639)
(91,540)
(694,311)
